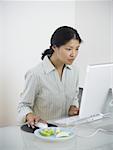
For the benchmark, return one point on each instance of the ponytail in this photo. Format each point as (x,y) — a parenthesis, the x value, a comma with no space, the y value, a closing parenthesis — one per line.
(47,52)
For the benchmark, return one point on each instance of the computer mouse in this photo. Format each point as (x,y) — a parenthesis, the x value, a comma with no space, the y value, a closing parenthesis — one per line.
(41,125)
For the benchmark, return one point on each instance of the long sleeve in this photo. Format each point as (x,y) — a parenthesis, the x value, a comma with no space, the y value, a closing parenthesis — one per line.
(76,98)
(27,97)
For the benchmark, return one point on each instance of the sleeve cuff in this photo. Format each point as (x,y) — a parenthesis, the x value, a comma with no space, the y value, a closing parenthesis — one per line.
(76,103)
(22,115)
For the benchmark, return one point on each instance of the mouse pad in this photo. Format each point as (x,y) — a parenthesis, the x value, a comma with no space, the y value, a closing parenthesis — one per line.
(31,130)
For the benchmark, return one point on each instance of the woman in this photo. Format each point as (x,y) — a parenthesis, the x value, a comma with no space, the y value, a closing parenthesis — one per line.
(51,90)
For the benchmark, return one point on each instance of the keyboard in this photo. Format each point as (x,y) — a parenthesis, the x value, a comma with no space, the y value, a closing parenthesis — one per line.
(77,120)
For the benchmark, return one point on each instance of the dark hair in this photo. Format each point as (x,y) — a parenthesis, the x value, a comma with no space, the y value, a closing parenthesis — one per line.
(60,37)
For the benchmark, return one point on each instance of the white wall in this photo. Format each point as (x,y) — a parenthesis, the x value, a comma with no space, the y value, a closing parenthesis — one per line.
(94,20)
(26,31)
(1,50)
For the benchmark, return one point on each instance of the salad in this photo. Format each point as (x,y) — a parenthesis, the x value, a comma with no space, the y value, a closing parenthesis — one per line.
(57,132)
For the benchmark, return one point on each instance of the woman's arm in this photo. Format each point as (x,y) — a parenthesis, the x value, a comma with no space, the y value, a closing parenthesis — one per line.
(74,107)
(27,97)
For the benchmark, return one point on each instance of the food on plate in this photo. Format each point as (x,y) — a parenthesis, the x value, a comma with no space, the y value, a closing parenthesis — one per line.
(63,134)
(57,132)
(47,132)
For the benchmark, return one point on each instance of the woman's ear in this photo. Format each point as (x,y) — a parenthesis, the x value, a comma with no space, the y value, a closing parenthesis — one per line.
(54,47)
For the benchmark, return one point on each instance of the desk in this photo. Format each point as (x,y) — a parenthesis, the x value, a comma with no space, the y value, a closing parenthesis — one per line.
(12,138)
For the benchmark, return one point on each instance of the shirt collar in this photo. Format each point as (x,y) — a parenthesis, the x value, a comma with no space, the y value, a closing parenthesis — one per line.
(48,66)
(69,66)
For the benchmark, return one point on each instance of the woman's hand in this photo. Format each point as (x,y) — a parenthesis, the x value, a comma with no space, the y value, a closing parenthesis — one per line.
(33,119)
(73,110)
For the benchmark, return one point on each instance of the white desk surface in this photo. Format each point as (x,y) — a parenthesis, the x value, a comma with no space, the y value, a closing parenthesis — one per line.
(13,138)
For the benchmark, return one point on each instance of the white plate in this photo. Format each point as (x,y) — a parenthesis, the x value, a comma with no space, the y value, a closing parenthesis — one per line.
(53,137)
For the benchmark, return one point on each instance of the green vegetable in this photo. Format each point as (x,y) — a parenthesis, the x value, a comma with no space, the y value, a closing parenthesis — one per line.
(47,132)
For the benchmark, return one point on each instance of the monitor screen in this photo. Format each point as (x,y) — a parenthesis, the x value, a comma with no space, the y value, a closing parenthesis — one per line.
(98,81)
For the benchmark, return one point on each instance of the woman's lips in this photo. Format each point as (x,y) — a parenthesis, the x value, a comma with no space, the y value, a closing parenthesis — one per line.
(70,59)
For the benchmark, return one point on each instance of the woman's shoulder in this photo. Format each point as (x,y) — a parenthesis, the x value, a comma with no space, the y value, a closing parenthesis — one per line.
(36,70)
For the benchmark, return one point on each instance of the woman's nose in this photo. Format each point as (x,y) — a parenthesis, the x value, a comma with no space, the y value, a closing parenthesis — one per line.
(73,53)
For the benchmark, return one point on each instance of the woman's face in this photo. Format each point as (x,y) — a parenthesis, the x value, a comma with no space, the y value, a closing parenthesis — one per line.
(67,53)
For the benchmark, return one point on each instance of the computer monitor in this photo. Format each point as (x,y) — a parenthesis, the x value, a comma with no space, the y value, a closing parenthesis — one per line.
(98,81)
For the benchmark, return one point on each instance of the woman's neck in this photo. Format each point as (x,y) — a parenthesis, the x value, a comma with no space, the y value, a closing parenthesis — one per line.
(57,64)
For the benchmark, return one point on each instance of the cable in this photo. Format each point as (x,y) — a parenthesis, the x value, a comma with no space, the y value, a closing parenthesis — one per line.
(95,132)
(107,115)
(90,135)
(107,131)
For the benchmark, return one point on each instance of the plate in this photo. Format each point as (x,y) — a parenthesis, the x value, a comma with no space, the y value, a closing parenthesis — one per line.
(53,137)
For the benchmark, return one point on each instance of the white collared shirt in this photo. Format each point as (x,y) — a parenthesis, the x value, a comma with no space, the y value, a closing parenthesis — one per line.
(45,94)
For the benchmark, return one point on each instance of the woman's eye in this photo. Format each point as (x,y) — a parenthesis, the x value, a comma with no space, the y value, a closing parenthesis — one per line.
(68,49)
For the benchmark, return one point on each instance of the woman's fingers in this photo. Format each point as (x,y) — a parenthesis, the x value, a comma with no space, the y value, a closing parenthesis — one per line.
(37,119)
(31,123)
(73,111)
(33,119)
